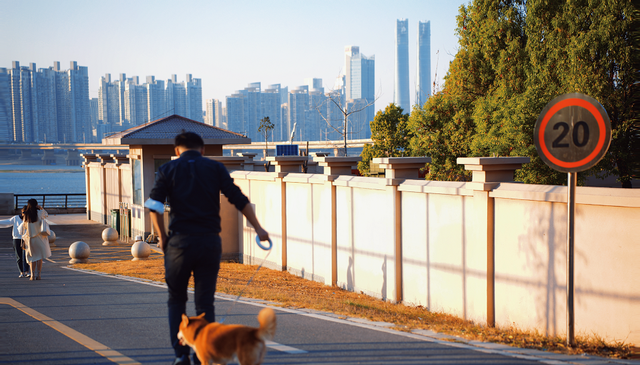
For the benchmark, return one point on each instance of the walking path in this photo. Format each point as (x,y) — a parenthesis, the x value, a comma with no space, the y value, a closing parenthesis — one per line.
(76,317)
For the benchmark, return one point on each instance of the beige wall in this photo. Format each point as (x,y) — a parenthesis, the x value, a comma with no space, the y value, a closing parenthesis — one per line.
(429,243)
(447,231)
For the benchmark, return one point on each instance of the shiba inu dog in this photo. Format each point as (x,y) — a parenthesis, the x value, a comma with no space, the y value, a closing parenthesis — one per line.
(222,343)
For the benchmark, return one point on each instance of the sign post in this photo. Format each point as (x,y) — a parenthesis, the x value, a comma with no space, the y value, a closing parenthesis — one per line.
(572,134)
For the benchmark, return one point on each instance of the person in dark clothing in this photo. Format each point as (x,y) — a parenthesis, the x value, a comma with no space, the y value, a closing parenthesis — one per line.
(192,185)
(14,222)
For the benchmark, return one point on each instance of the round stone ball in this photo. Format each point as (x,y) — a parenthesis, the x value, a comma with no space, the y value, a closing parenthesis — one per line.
(140,250)
(52,238)
(79,252)
(109,234)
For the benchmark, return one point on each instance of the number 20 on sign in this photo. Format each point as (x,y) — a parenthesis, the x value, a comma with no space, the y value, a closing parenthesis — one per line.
(572,133)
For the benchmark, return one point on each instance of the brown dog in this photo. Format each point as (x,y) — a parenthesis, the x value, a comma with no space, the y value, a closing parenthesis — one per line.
(221,342)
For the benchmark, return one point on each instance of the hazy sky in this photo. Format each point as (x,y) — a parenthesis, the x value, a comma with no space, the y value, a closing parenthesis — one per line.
(227,44)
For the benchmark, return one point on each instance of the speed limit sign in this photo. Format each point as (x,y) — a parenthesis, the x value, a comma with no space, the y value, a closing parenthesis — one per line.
(573,133)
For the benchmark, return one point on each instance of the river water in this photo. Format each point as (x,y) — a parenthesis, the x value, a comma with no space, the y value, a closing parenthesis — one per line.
(38,179)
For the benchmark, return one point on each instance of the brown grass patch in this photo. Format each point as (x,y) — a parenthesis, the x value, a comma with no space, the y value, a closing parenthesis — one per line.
(295,292)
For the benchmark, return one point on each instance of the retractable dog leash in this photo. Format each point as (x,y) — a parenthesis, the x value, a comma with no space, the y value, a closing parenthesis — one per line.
(266,248)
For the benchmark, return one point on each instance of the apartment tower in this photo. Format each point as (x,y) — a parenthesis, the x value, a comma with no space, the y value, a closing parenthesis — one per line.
(423,77)
(401,86)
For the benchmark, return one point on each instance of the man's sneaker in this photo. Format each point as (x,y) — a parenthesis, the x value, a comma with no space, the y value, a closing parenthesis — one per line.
(21,275)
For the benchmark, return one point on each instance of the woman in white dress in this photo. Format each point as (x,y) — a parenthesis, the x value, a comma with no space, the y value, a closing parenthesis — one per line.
(35,235)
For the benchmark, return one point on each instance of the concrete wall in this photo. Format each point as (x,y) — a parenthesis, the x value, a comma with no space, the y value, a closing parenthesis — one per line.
(431,243)
(487,252)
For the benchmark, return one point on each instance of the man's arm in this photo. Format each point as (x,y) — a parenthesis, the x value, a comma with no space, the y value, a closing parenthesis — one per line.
(248,212)
(158,224)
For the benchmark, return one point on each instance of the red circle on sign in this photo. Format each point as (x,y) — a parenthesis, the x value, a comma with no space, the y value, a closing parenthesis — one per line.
(557,107)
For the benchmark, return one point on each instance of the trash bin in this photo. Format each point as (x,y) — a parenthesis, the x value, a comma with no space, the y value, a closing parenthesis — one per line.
(115,220)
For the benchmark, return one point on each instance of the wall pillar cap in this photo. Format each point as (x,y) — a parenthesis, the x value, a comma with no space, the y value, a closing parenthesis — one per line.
(492,163)
(488,172)
(401,167)
(337,165)
(287,163)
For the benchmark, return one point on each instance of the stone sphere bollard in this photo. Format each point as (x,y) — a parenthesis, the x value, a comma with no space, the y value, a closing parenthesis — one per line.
(140,250)
(52,239)
(79,252)
(109,236)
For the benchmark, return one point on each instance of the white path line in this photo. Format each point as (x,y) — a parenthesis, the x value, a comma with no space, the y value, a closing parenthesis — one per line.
(80,338)
(284,348)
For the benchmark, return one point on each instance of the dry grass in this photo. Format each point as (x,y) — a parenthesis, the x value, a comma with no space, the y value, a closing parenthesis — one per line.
(294,292)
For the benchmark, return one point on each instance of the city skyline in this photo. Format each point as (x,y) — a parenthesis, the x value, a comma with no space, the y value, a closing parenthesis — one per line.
(228,44)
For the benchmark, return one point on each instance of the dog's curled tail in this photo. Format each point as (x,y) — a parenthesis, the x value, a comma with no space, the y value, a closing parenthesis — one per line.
(267,319)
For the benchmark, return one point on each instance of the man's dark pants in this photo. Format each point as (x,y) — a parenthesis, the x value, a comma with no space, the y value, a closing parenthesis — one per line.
(17,249)
(185,254)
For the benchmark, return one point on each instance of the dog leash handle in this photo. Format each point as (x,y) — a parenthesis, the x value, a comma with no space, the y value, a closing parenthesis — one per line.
(259,243)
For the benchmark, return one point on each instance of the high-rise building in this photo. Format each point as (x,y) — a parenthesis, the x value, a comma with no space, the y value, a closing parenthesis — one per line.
(272,108)
(298,107)
(47,108)
(235,113)
(135,103)
(79,105)
(108,101)
(423,75)
(45,105)
(252,110)
(219,115)
(360,80)
(5,106)
(209,117)
(156,103)
(193,98)
(401,85)
(176,97)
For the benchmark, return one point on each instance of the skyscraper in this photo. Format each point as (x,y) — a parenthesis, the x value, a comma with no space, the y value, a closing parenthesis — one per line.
(423,75)
(156,103)
(401,85)
(5,106)
(360,84)
(235,113)
(45,105)
(193,98)
(272,108)
(298,107)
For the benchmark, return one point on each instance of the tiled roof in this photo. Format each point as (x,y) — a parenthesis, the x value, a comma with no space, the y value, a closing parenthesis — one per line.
(163,131)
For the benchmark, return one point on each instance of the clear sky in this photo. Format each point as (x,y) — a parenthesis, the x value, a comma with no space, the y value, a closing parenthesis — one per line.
(227,44)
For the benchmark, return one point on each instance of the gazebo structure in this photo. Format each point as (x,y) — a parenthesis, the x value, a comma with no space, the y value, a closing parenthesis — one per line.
(114,181)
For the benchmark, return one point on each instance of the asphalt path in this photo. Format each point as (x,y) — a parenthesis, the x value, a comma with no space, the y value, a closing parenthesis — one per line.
(78,317)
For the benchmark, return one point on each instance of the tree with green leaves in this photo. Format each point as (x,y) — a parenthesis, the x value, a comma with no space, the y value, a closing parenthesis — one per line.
(390,135)
(514,57)
(265,128)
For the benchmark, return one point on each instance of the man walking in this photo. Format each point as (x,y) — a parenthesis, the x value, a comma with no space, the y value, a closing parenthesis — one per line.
(191,185)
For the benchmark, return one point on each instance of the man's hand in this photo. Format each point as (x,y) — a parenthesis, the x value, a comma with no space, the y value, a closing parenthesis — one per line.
(264,236)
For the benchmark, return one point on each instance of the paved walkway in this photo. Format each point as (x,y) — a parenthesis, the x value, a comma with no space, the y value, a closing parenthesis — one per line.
(75,317)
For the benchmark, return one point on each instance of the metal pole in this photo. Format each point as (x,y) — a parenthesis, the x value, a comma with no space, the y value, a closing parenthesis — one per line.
(571,212)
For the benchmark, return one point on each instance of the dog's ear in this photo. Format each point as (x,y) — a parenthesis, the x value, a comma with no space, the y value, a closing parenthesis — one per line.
(185,318)
(201,315)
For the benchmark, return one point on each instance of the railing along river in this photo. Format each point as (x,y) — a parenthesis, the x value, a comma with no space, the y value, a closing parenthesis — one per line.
(58,202)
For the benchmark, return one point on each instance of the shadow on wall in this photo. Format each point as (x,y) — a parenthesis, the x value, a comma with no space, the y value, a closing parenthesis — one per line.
(350,274)
(384,278)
